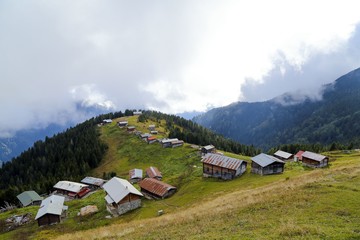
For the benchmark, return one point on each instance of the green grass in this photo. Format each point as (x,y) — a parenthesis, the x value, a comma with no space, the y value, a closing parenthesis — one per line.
(290,211)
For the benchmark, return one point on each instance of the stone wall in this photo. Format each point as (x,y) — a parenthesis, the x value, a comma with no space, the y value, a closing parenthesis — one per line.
(125,207)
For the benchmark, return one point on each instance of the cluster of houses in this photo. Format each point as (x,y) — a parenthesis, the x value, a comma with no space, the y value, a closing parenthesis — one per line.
(122,196)
(219,166)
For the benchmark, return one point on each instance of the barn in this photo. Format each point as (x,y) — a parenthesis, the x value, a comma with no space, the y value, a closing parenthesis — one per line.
(71,189)
(314,160)
(153,172)
(264,164)
(208,149)
(121,196)
(51,210)
(298,156)
(156,189)
(123,123)
(285,156)
(219,166)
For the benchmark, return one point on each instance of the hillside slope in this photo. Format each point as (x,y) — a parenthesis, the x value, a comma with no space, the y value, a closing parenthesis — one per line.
(285,120)
(306,206)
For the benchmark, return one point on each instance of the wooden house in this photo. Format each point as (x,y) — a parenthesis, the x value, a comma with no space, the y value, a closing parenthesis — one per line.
(154,132)
(285,156)
(137,113)
(177,143)
(135,175)
(167,142)
(219,166)
(144,136)
(152,127)
(121,196)
(208,149)
(131,129)
(29,198)
(51,210)
(156,189)
(122,123)
(71,189)
(264,164)
(153,172)
(107,121)
(314,160)
(298,156)
(93,183)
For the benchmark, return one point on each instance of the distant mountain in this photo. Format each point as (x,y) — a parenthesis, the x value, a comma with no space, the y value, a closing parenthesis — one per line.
(290,119)
(189,115)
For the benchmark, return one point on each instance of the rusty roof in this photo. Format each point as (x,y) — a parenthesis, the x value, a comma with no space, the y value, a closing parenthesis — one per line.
(155,186)
(153,172)
(222,161)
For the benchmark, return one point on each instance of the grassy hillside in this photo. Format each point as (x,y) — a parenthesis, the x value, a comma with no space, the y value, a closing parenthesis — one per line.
(301,203)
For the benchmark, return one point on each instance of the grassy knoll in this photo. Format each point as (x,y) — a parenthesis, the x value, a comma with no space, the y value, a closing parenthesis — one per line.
(300,203)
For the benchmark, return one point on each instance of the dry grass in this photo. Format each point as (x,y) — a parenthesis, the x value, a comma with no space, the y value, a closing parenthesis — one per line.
(199,221)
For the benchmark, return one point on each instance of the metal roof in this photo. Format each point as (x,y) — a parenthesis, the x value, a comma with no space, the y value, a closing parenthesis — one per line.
(208,147)
(313,156)
(51,205)
(70,186)
(282,154)
(168,140)
(117,188)
(136,173)
(299,154)
(155,186)
(107,120)
(93,181)
(264,160)
(153,172)
(122,122)
(145,135)
(27,197)
(222,161)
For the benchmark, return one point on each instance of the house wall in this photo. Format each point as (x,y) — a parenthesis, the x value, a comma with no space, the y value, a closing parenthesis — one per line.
(48,219)
(273,168)
(130,197)
(256,168)
(315,164)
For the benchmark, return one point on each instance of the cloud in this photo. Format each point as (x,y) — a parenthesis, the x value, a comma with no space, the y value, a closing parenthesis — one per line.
(163,55)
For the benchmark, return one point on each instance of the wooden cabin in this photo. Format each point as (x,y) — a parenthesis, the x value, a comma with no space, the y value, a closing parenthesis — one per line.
(156,189)
(122,123)
(135,175)
(314,160)
(151,139)
(121,196)
(284,156)
(131,129)
(107,121)
(71,189)
(93,183)
(177,143)
(167,142)
(51,210)
(144,136)
(152,127)
(29,198)
(264,164)
(153,172)
(219,166)
(208,149)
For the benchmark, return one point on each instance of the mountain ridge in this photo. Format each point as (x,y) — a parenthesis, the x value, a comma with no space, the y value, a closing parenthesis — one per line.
(271,123)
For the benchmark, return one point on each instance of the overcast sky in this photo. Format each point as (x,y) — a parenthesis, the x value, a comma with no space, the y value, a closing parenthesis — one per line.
(172,56)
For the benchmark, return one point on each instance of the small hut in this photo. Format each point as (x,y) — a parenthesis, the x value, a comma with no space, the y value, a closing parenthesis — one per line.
(156,189)
(51,210)
(29,198)
(135,175)
(284,156)
(153,172)
(314,160)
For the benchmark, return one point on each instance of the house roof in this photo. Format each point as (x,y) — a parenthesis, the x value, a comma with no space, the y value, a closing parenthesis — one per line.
(282,154)
(299,154)
(168,140)
(123,122)
(136,173)
(93,181)
(313,156)
(222,161)
(70,186)
(117,188)
(145,135)
(28,197)
(177,142)
(51,205)
(264,160)
(153,172)
(155,186)
(107,120)
(151,138)
(208,147)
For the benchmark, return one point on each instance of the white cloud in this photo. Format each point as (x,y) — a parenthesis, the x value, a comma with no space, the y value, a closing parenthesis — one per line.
(165,55)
